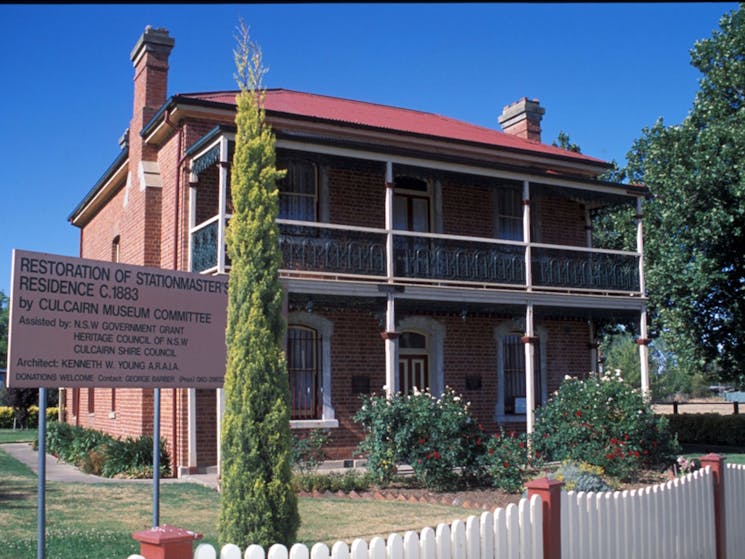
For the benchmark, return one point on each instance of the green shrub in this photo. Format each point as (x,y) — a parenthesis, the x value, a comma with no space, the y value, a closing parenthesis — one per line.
(97,453)
(606,423)
(133,458)
(437,437)
(307,451)
(709,428)
(507,463)
(581,477)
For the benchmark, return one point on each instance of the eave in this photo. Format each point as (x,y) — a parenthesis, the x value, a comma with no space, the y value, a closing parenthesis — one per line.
(109,183)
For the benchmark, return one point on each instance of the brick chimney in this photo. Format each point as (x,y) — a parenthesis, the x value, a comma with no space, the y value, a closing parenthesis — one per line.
(150,59)
(523,119)
(143,194)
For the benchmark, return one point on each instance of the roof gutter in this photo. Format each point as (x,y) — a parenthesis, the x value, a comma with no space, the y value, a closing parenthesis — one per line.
(110,173)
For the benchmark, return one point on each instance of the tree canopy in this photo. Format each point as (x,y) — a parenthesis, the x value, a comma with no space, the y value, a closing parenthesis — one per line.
(695,220)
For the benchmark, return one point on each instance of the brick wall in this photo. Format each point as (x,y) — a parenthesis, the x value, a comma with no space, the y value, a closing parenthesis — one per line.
(356,197)
(468,210)
(469,351)
(561,221)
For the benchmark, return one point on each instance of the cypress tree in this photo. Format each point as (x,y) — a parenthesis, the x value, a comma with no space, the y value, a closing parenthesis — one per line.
(258,505)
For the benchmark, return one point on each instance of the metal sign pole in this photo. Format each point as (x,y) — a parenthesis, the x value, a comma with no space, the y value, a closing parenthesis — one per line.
(42,476)
(156,458)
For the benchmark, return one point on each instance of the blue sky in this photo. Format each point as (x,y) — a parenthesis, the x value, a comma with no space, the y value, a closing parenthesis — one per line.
(602,72)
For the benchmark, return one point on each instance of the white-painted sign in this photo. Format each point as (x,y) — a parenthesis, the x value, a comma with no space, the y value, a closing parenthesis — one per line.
(87,323)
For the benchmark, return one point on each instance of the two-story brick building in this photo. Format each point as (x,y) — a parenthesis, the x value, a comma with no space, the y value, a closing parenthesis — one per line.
(417,250)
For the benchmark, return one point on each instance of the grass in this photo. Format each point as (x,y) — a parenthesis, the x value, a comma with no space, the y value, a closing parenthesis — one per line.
(18,435)
(96,521)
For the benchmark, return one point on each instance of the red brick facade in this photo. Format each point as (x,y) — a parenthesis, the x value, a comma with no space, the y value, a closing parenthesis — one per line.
(147,209)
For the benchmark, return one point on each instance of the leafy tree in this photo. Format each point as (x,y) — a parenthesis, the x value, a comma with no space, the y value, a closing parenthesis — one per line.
(695,222)
(258,505)
(562,141)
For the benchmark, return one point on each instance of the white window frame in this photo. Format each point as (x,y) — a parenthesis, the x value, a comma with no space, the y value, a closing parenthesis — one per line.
(324,328)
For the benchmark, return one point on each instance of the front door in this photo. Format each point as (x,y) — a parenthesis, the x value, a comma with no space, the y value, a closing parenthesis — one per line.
(413,362)
(413,372)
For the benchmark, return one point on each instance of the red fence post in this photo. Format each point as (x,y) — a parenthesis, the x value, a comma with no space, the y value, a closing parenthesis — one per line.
(550,492)
(166,542)
(716,463)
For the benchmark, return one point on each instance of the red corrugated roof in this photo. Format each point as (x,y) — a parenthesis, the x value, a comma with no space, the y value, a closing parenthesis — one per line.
(390,118)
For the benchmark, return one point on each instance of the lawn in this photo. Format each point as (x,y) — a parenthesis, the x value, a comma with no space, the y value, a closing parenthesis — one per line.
(96,521)
(18,435)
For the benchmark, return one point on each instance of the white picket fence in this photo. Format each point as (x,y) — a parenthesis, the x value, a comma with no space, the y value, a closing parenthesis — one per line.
(670,520)
(514,532)
(734,507)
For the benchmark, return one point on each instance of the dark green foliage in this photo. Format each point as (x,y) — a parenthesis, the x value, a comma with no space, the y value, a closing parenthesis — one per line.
(695,222)
(307,451)
(97,453)
(709,429)
(507,461)
(437,437)
(258,504)
(606,423)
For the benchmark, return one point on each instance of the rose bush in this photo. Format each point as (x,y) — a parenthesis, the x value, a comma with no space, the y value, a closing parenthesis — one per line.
(605,422)
(436,436)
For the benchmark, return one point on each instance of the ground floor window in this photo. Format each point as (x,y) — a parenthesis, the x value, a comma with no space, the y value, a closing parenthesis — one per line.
(511,390)
(308,355)
(303,367)
(514,374)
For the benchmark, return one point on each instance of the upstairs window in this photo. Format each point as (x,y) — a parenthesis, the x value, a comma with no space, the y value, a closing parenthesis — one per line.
(509,214)
(298,191)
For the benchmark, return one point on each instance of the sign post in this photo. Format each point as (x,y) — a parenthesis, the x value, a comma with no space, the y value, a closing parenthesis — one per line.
(83,323)
(41,517)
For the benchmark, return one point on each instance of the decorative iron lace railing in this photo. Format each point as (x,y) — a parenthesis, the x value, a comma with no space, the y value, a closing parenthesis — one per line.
(204,247)
(457,260)
(337,250)
(584,269)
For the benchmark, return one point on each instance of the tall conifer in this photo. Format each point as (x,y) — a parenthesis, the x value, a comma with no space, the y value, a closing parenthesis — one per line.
(258,505)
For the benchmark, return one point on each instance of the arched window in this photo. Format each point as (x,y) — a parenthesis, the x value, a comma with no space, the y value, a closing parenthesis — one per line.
(308,354)
(303,365)
(115,249)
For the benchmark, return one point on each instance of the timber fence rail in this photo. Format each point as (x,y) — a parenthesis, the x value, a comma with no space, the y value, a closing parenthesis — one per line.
(699,515)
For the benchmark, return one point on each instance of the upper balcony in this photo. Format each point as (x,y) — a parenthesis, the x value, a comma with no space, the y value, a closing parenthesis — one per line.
(336,252)
(361,220)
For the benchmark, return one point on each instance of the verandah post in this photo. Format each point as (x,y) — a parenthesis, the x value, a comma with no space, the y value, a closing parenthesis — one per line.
(716,463)
(550,492)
